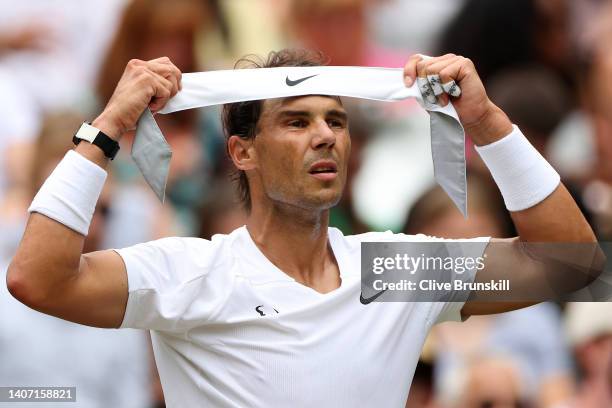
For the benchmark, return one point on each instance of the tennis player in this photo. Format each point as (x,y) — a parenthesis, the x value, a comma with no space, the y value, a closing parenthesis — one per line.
(270,314)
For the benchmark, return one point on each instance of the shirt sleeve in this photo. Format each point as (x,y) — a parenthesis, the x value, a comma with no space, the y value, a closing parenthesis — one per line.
(172,284)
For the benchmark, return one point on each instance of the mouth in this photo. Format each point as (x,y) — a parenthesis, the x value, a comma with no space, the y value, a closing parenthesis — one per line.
(324,170)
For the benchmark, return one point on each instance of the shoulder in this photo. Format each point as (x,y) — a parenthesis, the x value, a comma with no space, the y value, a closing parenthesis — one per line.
(177,258)
(390,236)
(175,283)
(183,246)
(353,242)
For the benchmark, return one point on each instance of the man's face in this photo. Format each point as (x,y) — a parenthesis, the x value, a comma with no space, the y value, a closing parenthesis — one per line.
(302,147)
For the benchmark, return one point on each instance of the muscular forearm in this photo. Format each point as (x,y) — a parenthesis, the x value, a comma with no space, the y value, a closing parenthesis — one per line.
(556,219)
(562,255)
(555,254)
(49,272)
(50,252)
(493,126)
(541,207)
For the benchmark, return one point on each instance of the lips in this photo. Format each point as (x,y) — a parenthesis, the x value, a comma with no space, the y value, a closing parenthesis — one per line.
(324,170)
(326,166)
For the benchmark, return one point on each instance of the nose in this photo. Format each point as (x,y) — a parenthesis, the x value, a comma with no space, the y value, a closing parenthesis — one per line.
(324,136)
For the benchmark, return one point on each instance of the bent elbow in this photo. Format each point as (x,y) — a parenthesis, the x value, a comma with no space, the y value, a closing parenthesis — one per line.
(19,288)
(14,283)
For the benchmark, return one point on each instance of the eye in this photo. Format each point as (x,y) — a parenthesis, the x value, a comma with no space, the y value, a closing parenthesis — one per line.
(335,123)
(298,123)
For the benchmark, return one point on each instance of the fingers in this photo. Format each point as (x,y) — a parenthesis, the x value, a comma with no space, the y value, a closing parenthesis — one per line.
(165,72)
(452,75)
(164,90)
(437,75)
(423,64)
(426,90)
(452,88)
(162,76)
(437,78)
(410,69)
(436,85)
(428,69)
(164,67)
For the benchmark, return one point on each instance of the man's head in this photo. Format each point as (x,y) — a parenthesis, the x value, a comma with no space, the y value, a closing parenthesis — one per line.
(290,151)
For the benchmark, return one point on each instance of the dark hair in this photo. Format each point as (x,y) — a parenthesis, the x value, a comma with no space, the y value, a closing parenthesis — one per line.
(241,118)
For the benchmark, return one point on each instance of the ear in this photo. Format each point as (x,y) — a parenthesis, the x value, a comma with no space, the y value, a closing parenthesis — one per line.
(242,152)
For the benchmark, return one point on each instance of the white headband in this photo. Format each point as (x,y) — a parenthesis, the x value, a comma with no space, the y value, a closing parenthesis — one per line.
(152,154)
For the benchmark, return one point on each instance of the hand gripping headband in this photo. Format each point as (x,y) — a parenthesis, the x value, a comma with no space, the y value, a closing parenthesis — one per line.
(152,154)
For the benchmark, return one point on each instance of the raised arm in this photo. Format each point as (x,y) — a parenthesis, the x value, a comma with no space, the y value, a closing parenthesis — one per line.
(541,208)
(49,272)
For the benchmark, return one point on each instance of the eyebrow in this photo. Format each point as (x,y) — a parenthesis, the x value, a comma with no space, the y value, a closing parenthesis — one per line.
(340,114)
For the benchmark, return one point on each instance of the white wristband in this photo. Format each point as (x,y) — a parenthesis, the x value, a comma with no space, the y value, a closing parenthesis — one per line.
(70,194)
(523,176)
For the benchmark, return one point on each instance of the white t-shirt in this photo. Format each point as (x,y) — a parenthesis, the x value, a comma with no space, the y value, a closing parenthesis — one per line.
(231,329)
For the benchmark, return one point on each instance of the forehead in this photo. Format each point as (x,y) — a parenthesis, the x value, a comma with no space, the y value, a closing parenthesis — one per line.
(310,103)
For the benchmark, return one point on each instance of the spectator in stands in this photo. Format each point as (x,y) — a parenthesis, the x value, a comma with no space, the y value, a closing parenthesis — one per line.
(589,330)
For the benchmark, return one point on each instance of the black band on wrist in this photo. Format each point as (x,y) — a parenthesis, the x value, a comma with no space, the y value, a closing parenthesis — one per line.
(109,146)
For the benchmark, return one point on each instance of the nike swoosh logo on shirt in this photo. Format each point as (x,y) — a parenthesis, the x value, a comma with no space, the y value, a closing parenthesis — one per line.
(365,301)
(297,81)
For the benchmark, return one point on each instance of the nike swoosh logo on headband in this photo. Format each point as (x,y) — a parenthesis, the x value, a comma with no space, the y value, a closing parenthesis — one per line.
(297,81)
(365,301)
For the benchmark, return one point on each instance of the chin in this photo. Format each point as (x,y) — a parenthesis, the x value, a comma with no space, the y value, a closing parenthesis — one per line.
(309,198)
(324,200)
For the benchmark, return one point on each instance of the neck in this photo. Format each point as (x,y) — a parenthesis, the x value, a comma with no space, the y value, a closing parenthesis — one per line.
(295,240)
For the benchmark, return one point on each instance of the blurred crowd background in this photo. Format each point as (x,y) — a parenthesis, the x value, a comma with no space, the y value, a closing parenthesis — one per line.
(546,63)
